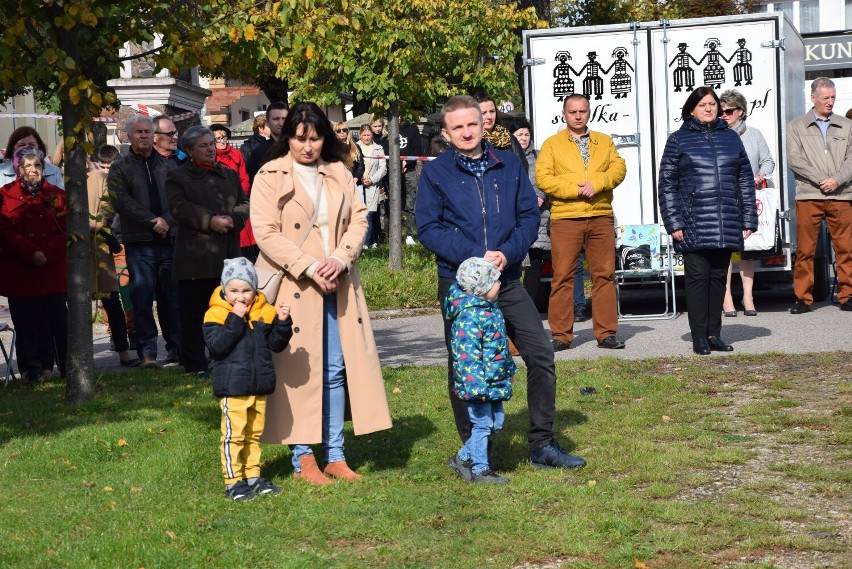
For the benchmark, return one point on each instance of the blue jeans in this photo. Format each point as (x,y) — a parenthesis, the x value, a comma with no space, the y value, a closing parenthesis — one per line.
(150,269)
(333,390)
(486,418)
(579,283)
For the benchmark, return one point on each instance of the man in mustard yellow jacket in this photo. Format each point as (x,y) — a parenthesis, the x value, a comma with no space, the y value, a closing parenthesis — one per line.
(579,169)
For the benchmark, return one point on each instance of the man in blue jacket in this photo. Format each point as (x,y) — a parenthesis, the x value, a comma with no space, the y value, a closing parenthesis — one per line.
(476,201)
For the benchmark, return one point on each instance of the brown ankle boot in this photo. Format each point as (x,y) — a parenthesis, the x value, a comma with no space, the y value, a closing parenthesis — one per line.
(310,472)
(341,471)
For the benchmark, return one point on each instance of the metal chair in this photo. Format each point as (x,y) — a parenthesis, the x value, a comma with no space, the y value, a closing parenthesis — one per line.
(640,261)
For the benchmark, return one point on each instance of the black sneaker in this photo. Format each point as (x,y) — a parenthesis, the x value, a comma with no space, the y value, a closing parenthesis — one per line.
(800,307)
(263,487)
(488,477)
(462,467)
(240,492)
(559,345)
(611,343)
(846,306)
(173,359)
(580,315)
(554,456)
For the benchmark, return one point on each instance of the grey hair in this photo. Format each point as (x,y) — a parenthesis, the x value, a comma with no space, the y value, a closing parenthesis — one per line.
(734,98)
(128,124)
(821,82)
(192,134)
(158,119)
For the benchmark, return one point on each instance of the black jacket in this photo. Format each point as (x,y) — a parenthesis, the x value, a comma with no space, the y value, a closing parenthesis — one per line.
(241,348)
(195,196)
(706,187)
(258,158)
(250,144)
(131,180)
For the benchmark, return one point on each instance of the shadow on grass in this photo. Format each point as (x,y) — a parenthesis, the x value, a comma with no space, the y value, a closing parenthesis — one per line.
(510,448)
(383,450)
(124,396)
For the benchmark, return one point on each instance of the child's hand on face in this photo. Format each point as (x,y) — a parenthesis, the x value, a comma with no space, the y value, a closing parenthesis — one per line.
(283,311)
(240,308)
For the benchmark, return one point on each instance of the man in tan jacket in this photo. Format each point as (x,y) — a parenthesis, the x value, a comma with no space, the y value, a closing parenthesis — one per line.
(579,169)
(819,148)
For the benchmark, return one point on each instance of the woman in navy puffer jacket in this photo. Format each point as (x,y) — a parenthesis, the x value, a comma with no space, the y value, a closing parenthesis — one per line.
(706,193)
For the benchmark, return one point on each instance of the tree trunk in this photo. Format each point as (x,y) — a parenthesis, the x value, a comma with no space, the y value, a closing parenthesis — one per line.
(395,189)
(274,88)
(80,364)
(79,384)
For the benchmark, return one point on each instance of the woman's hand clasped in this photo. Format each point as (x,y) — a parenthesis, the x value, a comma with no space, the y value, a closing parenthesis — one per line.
(329,269)
(677,235)
(221,223)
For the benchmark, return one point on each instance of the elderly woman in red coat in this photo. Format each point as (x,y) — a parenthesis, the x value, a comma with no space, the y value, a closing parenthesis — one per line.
(33,263)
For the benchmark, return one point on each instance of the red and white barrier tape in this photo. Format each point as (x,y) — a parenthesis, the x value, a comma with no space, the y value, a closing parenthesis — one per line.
(419,158)
(137,108)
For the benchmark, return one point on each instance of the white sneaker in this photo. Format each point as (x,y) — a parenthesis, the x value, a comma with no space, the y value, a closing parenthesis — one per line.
(409,240)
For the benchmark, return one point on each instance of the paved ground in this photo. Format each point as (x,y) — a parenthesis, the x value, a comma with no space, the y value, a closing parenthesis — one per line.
(419,339)
(407,338)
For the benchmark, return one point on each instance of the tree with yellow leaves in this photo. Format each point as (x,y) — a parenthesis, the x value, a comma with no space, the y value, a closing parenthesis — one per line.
(68,49)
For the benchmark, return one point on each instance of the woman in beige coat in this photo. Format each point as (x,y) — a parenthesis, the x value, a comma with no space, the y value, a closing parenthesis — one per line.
(309,220)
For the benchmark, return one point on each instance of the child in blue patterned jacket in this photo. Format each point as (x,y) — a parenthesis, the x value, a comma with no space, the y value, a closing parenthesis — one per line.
(482,365)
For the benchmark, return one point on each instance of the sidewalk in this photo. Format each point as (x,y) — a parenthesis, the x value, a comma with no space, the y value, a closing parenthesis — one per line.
(412,337)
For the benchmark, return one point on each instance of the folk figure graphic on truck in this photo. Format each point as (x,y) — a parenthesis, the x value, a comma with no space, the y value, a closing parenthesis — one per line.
(714,73)
(592,82)
(683,73)
(742,68)
(620,81)
(564,85)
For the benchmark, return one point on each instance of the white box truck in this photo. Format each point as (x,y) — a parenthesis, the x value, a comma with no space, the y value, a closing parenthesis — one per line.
(637,77)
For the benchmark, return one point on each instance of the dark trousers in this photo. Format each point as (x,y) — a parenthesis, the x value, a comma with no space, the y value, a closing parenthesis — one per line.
(151,278)
(409,198)
(704,275)
(532,276)
(115,317)
(250,252)
(526,331)
(194,298)
(41,325)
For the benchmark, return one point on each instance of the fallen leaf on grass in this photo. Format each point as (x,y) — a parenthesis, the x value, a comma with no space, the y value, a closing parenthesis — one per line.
(135,489)
(88,484)
(639,565)
(176,404)
(171,534)
(666,418)
(107,488)
(593,482)
(122,442)
(397,390)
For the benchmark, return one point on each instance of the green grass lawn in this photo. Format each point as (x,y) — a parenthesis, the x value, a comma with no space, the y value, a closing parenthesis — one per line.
(734,462)
(414,286)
